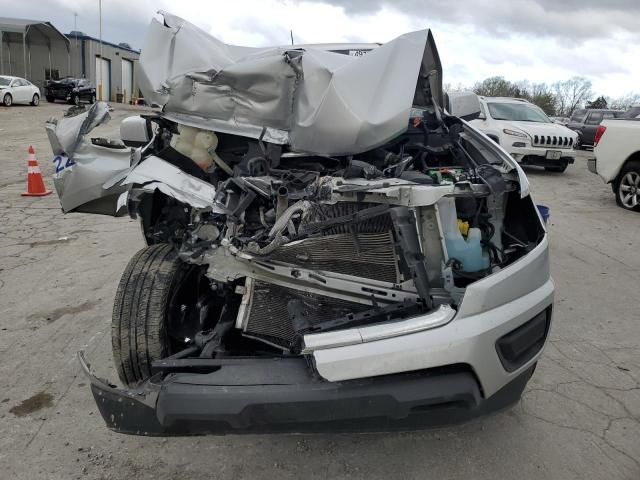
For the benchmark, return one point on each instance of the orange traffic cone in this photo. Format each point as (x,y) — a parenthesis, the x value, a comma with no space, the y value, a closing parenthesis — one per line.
(35,183)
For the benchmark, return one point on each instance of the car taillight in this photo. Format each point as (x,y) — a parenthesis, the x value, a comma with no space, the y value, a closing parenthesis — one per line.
(599,132)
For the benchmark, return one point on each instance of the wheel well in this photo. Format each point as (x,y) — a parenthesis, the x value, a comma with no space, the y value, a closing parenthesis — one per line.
(634,157)
(494,138)
(161,216)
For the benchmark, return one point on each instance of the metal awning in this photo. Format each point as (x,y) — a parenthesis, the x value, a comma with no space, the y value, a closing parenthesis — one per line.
(29,32)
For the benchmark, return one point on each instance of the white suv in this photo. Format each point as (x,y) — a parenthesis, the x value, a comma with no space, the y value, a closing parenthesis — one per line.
(526,133)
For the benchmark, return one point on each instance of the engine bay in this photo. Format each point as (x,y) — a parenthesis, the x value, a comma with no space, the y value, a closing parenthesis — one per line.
(286,245)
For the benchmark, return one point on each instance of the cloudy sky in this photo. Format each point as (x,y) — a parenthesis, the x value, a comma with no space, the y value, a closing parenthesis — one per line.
(535,40)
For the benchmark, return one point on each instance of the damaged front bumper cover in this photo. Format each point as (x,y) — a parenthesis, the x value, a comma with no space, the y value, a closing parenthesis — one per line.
(282,396)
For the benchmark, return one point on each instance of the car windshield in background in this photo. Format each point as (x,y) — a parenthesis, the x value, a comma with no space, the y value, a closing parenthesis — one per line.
(520,112)
(4,81)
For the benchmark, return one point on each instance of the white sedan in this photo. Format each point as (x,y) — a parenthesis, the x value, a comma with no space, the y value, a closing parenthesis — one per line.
(18,90)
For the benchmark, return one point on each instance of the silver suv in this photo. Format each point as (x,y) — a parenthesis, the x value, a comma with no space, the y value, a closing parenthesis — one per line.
(327,247)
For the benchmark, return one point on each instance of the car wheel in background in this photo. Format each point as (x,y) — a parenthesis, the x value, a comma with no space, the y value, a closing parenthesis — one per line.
(562,166)
(35,101)
(627,186)
(51,99)
(7,100)
(92,99)
(75,99)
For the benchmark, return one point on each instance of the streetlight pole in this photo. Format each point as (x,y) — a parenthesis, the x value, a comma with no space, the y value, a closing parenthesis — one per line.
(100,86)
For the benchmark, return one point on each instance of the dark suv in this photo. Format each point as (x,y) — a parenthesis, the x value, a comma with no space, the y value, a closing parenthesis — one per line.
(586,121)
(71,90)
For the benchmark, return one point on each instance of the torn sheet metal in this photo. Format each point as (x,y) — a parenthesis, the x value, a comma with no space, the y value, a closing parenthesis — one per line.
(66,134)
(323,102)
(84,167)
(157,174)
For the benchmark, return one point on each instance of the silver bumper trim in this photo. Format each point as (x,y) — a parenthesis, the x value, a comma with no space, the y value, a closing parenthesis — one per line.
(353,336)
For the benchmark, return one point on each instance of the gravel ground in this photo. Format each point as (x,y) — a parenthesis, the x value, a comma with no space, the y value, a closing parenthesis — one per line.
(578,419)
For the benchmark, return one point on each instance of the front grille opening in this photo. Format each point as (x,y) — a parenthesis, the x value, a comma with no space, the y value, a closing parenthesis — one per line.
(522,344)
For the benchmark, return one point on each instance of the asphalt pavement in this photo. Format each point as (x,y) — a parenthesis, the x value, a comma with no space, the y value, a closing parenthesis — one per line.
(579,417)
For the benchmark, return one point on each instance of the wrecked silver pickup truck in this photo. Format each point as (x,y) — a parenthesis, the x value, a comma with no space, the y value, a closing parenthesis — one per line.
(327,245)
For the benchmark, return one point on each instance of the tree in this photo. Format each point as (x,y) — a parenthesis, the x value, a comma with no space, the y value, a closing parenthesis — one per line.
(543,97)
(624,102)
(495,87)
(599,102)
(571,94)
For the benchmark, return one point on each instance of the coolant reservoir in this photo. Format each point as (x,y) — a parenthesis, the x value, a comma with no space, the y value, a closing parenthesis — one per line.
(469,251)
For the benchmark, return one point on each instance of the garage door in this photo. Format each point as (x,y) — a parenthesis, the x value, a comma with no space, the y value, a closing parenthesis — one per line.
(103,76)
(127,80)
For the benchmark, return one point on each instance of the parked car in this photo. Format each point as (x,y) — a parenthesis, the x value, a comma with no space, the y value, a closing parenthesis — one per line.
(18,90)
(337,252)
(69,89)
(617,159)
(526,133)
(585,122)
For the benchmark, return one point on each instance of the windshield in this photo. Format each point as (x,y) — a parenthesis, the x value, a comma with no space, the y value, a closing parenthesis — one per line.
(520,112)
(4,81)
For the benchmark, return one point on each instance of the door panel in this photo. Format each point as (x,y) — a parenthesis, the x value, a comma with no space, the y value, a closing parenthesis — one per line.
(590,126)
(103,76)
(17,91)
(127,80)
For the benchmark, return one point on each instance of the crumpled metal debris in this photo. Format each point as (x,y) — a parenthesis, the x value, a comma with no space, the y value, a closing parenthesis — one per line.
(313,99)
(157,174)
(81,168)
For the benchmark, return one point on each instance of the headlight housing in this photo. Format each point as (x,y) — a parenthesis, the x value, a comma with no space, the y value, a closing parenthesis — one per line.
(514,133)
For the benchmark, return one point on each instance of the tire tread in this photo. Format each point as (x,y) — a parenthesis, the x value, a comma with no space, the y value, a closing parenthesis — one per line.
(138,329)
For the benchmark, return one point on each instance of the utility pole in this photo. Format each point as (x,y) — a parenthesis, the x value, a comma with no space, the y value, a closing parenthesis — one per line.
(100,86)
(75,26)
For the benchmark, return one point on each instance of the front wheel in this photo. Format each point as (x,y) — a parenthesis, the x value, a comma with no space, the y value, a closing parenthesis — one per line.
(75,99)
(159,307)
(7,100)
(627,186)
(92,99)
(35,101)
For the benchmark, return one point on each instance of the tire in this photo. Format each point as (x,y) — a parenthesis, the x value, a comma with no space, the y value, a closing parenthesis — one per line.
(75,100)
(92,99)
(7,100)
(139,333)
(559,169)
(51,99)
(627,186)
(35,101)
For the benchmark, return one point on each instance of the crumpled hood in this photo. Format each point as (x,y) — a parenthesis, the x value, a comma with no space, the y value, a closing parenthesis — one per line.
(546,129)
(317,101)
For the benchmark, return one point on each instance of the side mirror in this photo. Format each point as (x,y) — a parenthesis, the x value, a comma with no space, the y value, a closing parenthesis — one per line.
(464,105)
(135,131)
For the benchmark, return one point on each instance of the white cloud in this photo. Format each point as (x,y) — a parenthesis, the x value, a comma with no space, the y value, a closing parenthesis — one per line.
(536,40)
